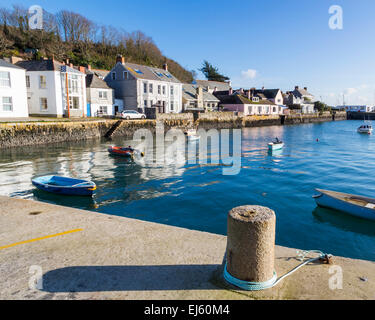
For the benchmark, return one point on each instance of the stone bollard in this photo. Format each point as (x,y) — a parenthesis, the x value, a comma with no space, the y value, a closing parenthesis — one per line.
(251,247)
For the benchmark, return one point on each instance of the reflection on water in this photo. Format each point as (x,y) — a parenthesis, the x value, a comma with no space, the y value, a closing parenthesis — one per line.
(196,195)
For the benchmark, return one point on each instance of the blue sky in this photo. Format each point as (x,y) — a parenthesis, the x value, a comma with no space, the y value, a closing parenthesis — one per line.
(271,43)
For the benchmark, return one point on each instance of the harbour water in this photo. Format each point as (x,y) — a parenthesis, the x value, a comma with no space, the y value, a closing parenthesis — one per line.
(329,155)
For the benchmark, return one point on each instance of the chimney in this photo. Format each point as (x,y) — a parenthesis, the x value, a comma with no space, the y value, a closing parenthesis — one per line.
(14,60)
(199,94)
(241,91)
(230,91)
(82,69)
(120,59)
(88,67)
(263,88)
(67,62)
(71,65)
(249,94)
(296,87)
(165,66)
(215,89)
(305,88)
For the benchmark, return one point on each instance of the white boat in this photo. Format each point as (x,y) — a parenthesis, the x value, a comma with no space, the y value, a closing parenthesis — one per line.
(192,135)
(366,128)
(359,206)
(276,145)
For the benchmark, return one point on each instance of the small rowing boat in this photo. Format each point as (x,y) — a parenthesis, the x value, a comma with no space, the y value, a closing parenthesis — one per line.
(276,145)
(124,152)
(359,206)
(65,185)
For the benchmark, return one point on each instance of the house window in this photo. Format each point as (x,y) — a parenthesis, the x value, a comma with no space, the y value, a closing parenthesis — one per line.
(151,103)
(274,109)
(250,109)
(145,103)
(150,88)
(73,84)
(74,103)
(164,90)
(102,94)
(259,110)
(27,81)
(144,87)
(267,110)
(42,82)
(159,89)
(172,106)
(43,104)
(125,75)
(7,104)
(172,90)
(113,75)
(4,79)
(103,109)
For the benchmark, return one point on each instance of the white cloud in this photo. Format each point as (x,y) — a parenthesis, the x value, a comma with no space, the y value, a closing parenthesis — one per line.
(249,74)
(350,91)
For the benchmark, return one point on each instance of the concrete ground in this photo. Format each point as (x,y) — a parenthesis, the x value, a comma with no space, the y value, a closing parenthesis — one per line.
(88,255)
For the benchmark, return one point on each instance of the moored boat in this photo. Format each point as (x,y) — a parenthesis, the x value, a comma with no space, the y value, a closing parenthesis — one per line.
(366,128)
(276,145)
(192,135)
(124,152)
(359,206)
(65,185)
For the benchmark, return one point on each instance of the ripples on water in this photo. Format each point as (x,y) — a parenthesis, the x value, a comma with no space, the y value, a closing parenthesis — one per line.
(199,196)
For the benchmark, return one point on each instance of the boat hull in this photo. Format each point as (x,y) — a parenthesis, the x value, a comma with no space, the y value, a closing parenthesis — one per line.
(65,186)
(274,147)
(327,201)
(120,152)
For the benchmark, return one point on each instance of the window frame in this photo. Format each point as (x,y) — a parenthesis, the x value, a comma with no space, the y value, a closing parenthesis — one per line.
(7,103)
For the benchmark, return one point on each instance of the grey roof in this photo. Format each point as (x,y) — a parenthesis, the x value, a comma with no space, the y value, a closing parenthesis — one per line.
(301,92)
(238,98)
(5,64)
(44,65)
(92,81)
(99,72)
(150,73)
(189,92)
(220,86)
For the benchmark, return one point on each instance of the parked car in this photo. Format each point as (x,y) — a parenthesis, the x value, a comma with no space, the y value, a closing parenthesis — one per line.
(132,114)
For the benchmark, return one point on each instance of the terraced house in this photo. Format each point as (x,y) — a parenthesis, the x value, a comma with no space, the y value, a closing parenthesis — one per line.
(46,82)
(13,100)
(140,87)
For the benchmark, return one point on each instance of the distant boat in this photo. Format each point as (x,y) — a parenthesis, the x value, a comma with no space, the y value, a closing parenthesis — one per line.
(124,152)
(65,185)
(192,135)
(359,206)
(276,145)
(366,128)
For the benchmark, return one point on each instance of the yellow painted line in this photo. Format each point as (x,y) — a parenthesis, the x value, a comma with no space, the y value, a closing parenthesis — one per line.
(41,238)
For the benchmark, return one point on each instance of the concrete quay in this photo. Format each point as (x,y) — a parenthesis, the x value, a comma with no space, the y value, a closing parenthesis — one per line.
(88,255)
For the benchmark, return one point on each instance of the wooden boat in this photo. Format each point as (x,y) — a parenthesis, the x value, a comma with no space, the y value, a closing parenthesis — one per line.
(366,128)
(192,135)
(65,185)
(276,145)
(358,206)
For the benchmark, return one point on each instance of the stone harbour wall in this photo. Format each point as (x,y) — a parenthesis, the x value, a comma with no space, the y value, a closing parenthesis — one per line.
(34,133)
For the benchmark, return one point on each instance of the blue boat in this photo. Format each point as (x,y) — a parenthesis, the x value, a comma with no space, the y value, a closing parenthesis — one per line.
(64,185)
(358,206)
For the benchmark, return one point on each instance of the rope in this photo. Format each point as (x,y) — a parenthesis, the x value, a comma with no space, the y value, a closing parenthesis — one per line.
(256,286)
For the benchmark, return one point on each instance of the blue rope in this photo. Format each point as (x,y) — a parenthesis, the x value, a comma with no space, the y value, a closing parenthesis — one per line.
(256,286)
(247,285)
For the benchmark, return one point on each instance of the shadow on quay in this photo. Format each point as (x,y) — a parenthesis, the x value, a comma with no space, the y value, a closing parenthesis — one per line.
(131,278)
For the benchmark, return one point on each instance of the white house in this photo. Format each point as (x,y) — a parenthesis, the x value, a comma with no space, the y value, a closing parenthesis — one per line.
(140,86)
(46,82)
(300,97)
(249,105)
(13,98)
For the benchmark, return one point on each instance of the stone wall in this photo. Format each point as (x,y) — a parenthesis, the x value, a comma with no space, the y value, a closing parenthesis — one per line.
(32,133)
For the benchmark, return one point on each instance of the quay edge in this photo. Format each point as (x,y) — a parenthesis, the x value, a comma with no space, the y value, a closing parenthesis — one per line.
(113,257)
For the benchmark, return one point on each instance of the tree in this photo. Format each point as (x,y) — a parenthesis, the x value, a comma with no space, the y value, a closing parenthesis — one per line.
(212,73)
(321,107)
